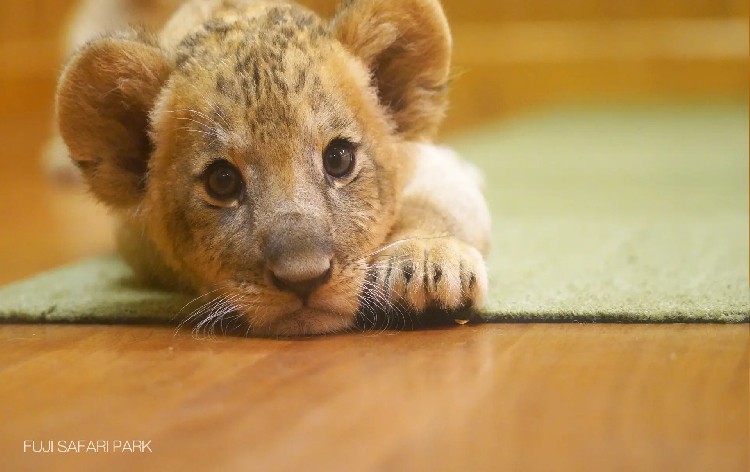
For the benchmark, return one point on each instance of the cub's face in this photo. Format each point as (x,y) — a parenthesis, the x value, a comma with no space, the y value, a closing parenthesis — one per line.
(275,174)
(273,158)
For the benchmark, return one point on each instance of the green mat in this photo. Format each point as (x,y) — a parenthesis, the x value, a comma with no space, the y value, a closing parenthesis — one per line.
(629,214)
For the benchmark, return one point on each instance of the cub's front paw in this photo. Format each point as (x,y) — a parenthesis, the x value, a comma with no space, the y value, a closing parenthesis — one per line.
(422,274)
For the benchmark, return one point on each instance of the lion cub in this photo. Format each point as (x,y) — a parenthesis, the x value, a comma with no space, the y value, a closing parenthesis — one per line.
(280,163)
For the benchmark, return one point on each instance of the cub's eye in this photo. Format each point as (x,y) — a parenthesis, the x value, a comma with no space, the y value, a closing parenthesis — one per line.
(223,181)
(339,159)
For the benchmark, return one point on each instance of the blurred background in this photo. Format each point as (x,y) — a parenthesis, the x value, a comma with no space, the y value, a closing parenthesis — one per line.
(512,57)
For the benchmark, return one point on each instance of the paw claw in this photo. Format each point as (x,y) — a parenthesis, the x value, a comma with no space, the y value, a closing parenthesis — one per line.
(442,273)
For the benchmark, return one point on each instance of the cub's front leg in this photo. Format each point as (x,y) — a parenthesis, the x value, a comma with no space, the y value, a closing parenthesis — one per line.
(435,256)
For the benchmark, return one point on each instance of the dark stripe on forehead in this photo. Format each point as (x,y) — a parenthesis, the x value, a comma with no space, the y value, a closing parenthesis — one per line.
(299,85)
(227,88)
(256,76)
(244,63)
(218,27)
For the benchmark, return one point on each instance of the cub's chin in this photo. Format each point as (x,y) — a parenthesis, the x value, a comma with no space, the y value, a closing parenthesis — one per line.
(305,321)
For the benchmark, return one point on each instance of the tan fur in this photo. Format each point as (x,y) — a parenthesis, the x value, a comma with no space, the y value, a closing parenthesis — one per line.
(266,86)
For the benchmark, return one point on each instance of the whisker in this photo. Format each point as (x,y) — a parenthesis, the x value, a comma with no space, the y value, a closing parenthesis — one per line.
(193,301)
(197,312)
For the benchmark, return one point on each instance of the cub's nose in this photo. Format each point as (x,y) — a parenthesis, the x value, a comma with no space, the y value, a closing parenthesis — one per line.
(301,277)
(299,254)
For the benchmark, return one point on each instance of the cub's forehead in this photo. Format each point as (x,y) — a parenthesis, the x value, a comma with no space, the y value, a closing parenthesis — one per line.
(262,78)
(267,39)
(274,59)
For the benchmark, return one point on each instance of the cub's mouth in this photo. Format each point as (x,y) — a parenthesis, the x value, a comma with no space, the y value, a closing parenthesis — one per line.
(323,304)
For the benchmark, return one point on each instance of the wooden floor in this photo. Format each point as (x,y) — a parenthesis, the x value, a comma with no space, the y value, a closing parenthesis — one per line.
(473,398)
(502,397)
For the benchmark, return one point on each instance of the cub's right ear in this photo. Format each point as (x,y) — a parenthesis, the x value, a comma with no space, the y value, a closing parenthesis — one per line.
(104,98)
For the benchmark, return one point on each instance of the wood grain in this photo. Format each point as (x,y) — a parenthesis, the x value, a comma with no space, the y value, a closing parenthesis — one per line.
(503,397)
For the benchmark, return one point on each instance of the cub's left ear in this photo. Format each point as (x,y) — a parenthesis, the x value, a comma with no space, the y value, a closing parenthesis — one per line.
(406,44)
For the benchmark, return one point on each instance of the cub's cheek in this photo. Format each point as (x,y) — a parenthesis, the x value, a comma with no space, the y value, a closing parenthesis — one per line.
(341,299)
